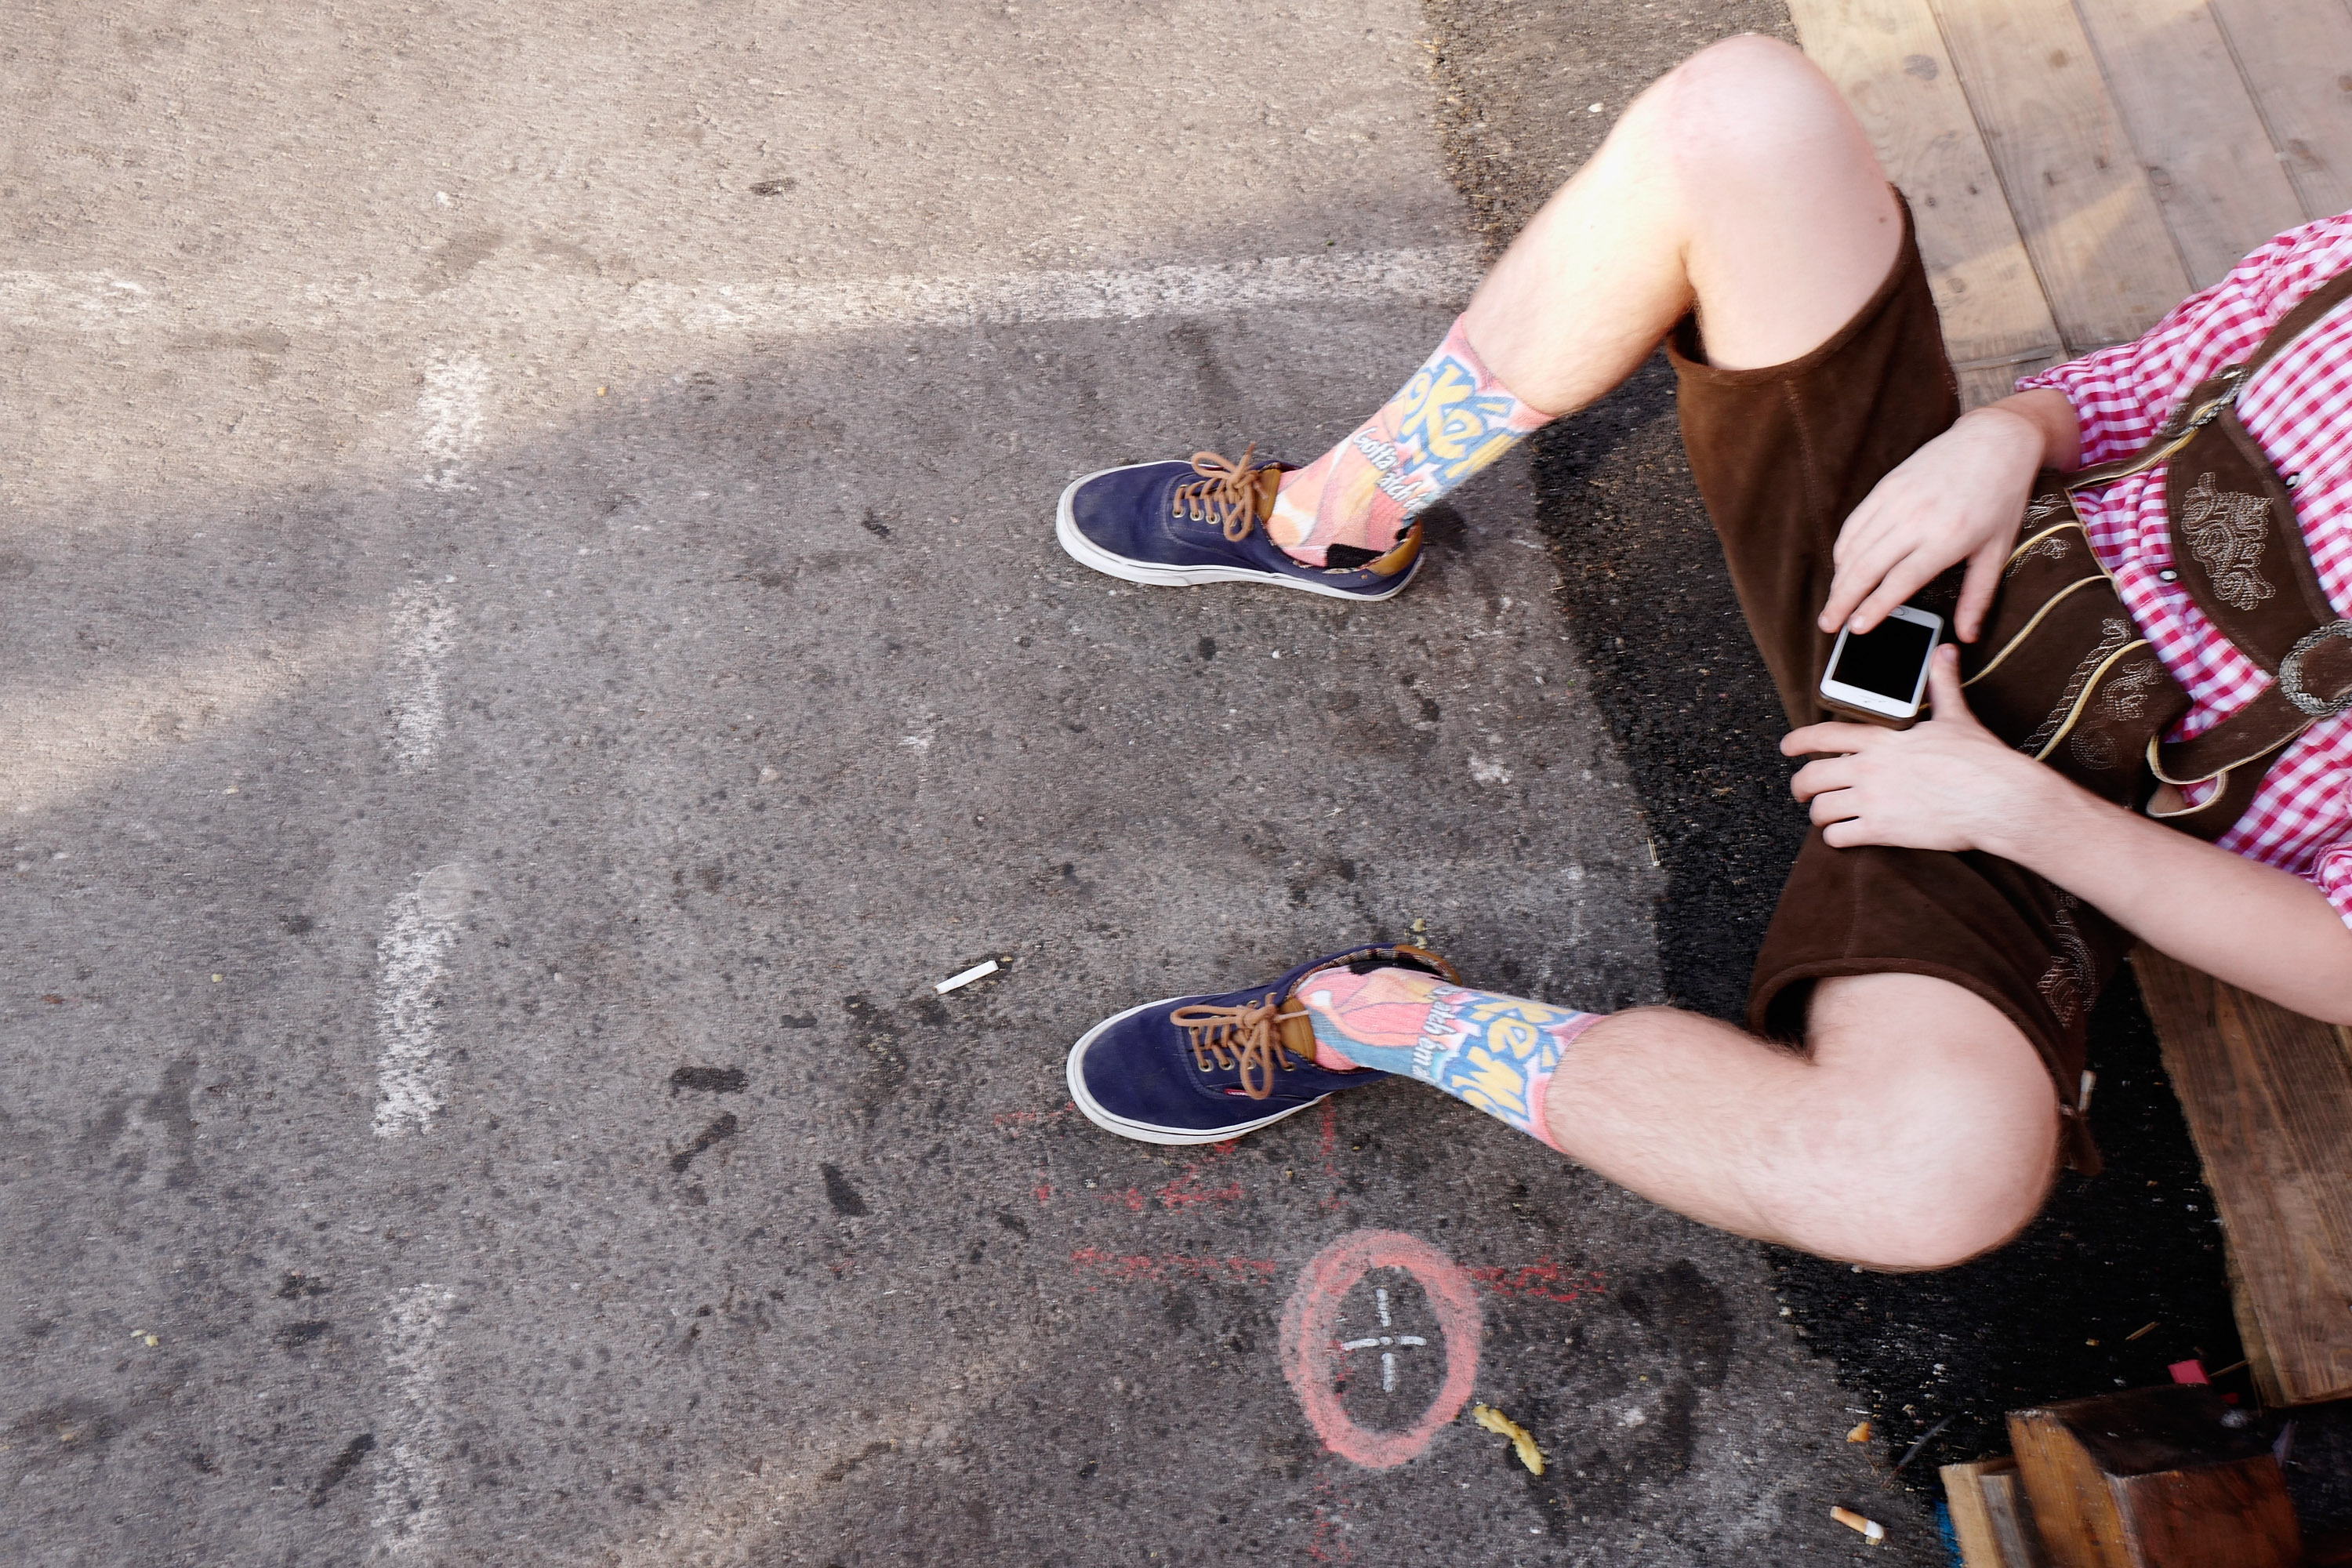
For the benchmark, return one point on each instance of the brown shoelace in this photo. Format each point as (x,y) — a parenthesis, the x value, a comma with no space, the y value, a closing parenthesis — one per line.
(1247,1036)
(1225,491)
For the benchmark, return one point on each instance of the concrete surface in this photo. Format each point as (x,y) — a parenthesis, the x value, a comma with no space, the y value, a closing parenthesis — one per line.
(528,655)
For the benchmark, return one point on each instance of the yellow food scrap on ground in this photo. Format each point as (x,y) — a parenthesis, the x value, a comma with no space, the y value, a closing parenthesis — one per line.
(1861,1433)
(1502,1425)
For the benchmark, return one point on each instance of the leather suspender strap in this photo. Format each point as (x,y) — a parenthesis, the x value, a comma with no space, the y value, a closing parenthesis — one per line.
(2240,553)
(2209,397)
(2305,315)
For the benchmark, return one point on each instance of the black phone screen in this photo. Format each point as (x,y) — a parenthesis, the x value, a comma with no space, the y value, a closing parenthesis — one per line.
(1885,660)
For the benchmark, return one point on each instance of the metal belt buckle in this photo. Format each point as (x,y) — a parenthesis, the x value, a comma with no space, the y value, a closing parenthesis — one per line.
(2289,673)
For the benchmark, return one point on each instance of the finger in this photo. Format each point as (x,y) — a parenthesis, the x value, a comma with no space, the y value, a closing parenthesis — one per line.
(1814,778)
(1977,592)
(1837,805)
(1866,525)
(1944,693)
(1832,740)
(1847,834)
(1858,576)
(1900,580)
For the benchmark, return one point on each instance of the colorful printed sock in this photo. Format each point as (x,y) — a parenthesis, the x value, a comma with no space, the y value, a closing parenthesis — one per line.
(1451,419)
(1495,1052)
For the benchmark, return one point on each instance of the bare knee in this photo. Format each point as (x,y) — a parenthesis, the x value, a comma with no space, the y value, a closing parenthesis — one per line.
(1959,1185)
(1745,104)
(1945,1135)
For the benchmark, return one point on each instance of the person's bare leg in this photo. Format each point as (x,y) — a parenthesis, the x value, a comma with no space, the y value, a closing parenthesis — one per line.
(1738,181)
(1916,1130)
(1918,1127)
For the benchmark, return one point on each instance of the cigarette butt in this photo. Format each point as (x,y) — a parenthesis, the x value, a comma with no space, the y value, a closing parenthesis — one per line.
(1869,1529)
(2143,1328)
(977,972)
(1861,1433)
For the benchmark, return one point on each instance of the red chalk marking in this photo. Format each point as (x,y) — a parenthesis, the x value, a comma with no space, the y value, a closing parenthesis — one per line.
(1129,1269)
(1330,1144)
(1012,1121)
(1310,1341)
(1186,1191)
(1544,1280)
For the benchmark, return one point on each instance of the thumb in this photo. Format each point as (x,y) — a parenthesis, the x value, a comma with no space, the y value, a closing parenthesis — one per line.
(1944,686)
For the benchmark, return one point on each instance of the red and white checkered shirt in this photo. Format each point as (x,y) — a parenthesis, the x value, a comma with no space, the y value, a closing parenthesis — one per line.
(2298,408)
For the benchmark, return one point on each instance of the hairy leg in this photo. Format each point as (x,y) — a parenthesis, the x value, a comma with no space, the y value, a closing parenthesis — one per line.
(1916,1130)
(1738,183)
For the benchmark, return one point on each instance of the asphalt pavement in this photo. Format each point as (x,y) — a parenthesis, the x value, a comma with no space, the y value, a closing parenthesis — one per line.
(536,640)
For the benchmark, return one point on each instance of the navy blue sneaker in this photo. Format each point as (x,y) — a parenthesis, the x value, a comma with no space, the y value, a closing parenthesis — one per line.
(1201,1069)
(1174,525)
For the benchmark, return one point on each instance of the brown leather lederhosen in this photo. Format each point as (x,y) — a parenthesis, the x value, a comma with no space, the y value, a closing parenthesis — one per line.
(1783,454)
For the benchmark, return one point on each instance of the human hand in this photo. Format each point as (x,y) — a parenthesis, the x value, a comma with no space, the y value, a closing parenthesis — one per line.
(1955,499)
(1948,784)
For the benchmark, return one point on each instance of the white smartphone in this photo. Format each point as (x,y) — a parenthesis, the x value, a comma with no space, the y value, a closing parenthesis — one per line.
(1885,671)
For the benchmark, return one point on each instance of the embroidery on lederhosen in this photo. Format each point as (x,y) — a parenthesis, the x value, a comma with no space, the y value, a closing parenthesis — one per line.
(2226,533)
(2124,699)
(2054,548)
(2068,979)
(2113,635)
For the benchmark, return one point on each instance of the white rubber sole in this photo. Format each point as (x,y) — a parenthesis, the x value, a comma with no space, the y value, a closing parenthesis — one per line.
(1086,552)
(1145,1131)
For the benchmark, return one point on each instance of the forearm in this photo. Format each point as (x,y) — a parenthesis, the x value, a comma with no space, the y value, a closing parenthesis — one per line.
(2052,420)
(2259,928)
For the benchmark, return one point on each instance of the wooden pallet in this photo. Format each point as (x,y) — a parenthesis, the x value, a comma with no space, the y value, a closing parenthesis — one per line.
(2076,168)
(2269,1099)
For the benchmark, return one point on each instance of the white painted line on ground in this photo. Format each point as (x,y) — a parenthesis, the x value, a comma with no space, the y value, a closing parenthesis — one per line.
(525,303)
(421,621)
(414,954)
(408,1489)
(450,409)
(1446,273)
(977,972)
(70,301)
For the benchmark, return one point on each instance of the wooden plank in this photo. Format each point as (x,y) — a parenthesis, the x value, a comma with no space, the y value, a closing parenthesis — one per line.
(2154,1478)
(2082,202)
(2193,124)
(2259,1364)
(1888,59)
(2296,55)
(1990,1516)
(2011,1512)
(1971,1521)
(2268,1095)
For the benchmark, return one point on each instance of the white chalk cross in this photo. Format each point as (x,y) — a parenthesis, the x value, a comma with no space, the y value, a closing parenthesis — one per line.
(1378,1342)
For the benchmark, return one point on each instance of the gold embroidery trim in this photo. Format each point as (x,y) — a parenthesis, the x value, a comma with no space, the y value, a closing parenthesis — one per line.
(2081,696)
(2027,631)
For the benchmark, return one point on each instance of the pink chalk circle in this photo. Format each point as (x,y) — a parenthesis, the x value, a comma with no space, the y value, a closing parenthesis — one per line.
(1310,1341)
